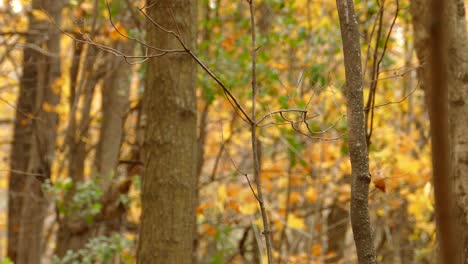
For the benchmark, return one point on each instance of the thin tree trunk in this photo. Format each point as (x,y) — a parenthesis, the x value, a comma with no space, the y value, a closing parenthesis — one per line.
(115,106)
(202,126)
(360,219)
(34,137)
(169,181)
(72,233)
(337,225)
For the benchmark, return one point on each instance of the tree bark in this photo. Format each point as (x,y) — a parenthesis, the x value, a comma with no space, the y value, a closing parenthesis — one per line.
(115,107)
(458,111)
(72,233)
(169,181)
(438,109)
(34,137)
(360,219)
(456,80)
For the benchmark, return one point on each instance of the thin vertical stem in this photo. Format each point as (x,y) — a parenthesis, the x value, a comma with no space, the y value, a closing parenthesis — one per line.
(266,224)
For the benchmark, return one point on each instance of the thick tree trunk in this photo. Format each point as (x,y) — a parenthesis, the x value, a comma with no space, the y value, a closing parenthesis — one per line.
(457,81)
(458,112)
(34,137)
(360,219)
(438,113)
(169,181)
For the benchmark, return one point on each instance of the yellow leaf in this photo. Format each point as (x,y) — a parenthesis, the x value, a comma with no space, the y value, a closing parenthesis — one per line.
(87,6)
(311,194)
(40,15)
(58,84)
(296,222)
(48,108)
(232,190)
(222,193)
(248,208)
(3,183)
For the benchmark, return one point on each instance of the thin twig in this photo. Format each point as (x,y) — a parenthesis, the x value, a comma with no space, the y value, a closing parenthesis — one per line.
(232,100)
(302,111)
(256,162)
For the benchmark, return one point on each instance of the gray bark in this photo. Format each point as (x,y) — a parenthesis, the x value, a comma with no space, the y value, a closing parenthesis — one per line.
(360,219)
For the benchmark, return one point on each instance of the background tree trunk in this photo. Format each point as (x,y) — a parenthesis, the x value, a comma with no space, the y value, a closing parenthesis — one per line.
(34,136)
(115,107)
(360,219)
(169,181)
(457,81)
(73,229)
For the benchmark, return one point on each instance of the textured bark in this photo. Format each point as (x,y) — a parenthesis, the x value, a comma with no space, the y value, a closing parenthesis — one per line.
(458,112)
(360,219)
(457,82)
(34,137)
(169,181)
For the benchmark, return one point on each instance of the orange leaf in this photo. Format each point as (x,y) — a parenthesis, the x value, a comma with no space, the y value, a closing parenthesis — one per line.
(201,208)
(379,183)
(233,205)
(115,35)
(209,229)
(228,42)
(316,250)
(295,197)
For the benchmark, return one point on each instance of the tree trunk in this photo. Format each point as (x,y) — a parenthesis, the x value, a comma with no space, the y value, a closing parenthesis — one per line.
(34,137)
(337,225)
(458,112)
(360,219)
(73,229)
(115,107)
(457,81)
(169,181)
